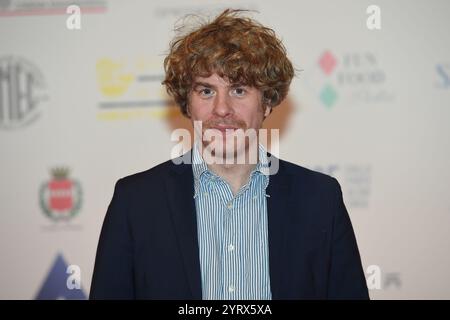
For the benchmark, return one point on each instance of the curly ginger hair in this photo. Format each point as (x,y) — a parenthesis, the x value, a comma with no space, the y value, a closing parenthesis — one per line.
(237,48)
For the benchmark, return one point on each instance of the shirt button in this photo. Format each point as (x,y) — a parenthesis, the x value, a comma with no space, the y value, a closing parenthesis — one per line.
(230,247)
(255,197)
(230,205)
(205,194)
(231,288)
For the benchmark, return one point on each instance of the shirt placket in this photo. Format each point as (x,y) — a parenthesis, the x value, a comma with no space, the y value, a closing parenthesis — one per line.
(228,245)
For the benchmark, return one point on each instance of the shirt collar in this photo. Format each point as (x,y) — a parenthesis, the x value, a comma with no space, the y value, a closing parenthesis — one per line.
(199,166)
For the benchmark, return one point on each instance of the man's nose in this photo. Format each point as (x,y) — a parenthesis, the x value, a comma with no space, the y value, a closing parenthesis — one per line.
(222,104)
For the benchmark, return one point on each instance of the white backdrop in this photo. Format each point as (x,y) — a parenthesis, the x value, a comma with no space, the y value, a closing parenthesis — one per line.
(370,107)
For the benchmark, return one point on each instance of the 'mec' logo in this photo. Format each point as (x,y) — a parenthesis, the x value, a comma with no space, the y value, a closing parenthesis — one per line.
(21,92)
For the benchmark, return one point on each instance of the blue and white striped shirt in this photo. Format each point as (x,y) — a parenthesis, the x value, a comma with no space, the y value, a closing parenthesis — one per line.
(232,233)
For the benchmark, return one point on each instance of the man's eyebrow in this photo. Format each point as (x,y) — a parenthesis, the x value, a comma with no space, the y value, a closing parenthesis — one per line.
(209,85)
(204,84)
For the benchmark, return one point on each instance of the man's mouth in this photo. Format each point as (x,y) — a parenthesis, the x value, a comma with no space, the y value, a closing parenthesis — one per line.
(224,128)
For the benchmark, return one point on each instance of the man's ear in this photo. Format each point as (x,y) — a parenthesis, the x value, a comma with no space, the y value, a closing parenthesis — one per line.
(267,111)
(188,111)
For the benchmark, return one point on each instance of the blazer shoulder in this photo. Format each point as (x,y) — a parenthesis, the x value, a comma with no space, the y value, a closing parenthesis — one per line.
(154,175)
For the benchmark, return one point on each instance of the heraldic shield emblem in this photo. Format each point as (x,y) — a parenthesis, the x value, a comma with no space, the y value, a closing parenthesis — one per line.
(60,198)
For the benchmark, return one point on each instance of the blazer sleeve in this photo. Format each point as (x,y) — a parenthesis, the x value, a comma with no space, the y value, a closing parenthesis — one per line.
(346,275)
(113,270)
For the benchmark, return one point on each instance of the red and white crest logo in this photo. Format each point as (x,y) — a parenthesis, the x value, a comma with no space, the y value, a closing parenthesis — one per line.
(60,198)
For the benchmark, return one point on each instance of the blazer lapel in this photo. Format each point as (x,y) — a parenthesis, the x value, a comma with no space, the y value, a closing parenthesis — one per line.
(180,192)
(278,212)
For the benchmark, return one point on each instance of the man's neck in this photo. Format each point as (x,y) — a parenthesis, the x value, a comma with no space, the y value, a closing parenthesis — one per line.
(237,172)
(236,175)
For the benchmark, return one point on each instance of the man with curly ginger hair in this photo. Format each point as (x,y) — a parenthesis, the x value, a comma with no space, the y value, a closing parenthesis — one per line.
(213,227)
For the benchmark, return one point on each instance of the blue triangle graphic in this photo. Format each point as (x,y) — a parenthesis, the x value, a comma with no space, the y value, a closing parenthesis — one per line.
(55,287)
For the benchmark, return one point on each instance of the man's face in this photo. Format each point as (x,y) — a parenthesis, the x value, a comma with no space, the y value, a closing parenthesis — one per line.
(224,108)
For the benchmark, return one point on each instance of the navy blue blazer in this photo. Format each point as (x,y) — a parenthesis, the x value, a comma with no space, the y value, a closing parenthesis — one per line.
(148,247)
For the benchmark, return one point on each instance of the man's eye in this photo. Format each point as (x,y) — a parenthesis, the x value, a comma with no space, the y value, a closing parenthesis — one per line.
(239,91)
(206,92)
